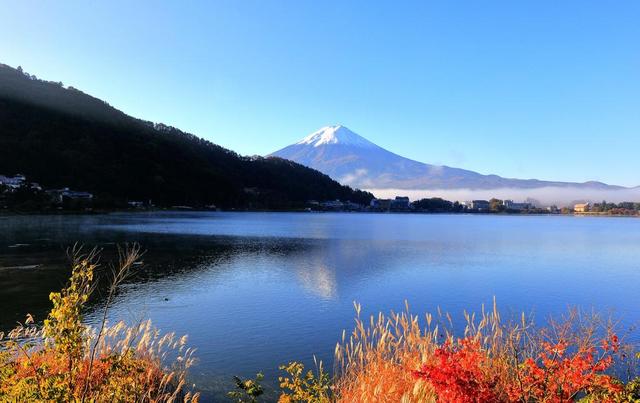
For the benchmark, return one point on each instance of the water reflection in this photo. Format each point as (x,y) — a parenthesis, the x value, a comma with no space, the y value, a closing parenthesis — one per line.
(319,280)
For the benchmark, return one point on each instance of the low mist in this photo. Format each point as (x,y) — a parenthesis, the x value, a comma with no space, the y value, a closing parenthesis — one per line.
(544,196)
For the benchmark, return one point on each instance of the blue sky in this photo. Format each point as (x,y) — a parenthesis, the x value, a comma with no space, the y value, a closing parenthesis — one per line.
(542,89)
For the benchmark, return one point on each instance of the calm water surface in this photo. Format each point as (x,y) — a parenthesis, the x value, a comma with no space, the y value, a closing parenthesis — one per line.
(254,290)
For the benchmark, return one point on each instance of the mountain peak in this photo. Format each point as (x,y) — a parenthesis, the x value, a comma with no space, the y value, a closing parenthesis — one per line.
(355,161)
(336,134)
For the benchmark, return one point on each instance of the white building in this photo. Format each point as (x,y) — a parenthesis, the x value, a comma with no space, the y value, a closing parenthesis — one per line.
(511,205)
(13,182)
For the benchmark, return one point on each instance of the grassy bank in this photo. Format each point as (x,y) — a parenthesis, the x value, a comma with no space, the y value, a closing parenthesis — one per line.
(65,360)
(398,358)
(401,358)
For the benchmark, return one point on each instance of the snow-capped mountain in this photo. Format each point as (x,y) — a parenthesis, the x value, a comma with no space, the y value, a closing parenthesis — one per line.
(353,160)
(337,134)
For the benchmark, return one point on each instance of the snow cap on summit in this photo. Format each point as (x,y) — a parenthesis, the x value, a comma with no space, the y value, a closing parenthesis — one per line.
(336,134)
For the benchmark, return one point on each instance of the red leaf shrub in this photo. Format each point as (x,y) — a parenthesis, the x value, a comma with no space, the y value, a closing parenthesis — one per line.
(460,373)
(464,372)
(559,376)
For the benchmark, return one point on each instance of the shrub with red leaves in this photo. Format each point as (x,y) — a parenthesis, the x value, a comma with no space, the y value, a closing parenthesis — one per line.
(464,372)
(460,373)
(559,376)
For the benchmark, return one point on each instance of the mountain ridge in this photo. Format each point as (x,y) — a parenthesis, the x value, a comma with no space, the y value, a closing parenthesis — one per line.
(374,167)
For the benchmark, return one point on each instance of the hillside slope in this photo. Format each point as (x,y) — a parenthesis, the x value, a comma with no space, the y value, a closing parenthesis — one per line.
(61,137)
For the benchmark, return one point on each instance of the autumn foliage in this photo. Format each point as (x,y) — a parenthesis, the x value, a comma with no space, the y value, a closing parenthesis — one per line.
(65,360)
(460,372)
(394,359)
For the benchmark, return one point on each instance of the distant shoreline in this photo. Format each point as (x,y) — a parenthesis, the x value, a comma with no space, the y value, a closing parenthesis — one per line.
(5,213)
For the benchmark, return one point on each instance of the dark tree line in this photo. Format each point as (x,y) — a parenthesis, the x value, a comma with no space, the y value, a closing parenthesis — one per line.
(437,205)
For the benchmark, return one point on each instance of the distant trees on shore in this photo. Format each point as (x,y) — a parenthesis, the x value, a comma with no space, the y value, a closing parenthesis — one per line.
(436,205)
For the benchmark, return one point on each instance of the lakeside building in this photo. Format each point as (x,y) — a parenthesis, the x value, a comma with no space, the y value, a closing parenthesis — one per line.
(58,196)
(380,204)
(65,195)
(479,205)
(13,182)
(332,205)
(400,203)
(351,206)
(581,207)
(137,204)
(511,205)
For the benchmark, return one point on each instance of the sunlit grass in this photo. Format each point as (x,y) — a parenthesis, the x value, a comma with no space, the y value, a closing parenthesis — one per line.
(400,358)
(67,360)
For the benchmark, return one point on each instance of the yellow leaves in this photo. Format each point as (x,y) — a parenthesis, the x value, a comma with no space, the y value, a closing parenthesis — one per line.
(64,324)
(308,388)
(57,363)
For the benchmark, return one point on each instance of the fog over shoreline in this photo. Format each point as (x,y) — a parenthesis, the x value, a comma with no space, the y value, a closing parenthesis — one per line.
(560,196)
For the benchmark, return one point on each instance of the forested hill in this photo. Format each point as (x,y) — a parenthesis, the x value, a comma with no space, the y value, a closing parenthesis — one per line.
(62,137)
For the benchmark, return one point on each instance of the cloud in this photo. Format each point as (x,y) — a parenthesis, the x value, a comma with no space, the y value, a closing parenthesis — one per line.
(354,177)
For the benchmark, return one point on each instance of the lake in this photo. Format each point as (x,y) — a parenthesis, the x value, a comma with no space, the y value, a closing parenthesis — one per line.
(255,290)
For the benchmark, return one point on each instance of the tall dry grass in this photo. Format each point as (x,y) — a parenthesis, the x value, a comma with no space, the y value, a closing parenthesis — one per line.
(400,358)
(67,360)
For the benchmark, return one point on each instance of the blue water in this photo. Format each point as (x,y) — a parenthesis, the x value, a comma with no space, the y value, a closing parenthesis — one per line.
(254,290)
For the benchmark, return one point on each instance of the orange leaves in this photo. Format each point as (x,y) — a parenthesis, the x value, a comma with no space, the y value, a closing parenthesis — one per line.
(392,358)
(66,360)
(465,372)
(559,374)
(612,343)
(108,374)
